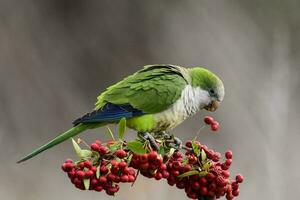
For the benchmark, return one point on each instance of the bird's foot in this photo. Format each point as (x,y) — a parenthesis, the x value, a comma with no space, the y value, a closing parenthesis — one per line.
(147,136)
(173,141)
(177,142)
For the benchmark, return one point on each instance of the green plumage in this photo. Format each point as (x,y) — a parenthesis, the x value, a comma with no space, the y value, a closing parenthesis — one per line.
(151,90)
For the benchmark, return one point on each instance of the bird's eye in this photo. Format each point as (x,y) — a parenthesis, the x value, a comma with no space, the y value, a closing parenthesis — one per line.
(211,91)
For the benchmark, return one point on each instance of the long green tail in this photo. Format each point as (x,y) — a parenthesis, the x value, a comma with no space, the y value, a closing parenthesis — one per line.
(59,139)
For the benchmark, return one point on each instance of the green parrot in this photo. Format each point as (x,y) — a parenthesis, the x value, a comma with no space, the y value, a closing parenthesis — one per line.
(155,99)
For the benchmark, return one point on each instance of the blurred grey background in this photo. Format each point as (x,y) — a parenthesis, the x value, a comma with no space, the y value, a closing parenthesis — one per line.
(56,56)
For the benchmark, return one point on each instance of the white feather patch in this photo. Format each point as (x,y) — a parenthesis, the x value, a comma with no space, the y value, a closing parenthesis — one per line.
(191,100)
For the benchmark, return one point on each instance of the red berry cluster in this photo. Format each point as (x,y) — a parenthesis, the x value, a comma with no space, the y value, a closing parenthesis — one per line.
(151,165)
(102,173)
(194,167)
(211,182)
(214,125)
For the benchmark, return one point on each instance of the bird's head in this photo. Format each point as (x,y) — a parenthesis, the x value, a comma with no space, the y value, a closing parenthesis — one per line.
(210,85)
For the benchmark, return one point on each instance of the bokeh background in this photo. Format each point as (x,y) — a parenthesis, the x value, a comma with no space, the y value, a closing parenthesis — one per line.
(56,56)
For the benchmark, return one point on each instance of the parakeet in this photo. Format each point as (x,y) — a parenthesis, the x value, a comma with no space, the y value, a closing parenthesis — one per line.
(156,98)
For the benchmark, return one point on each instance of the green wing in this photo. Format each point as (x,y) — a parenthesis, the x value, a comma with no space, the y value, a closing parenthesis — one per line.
(151,90)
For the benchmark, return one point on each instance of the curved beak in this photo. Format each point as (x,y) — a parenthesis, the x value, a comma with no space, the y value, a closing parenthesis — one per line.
(212,106)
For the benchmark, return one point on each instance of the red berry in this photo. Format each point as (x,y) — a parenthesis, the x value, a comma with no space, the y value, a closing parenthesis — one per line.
(234,185)
(175,173)
(208,120)
(165,174)
(103,170)
(126,170)
(89,174)
(228,154)
(214,126)
(124,178)
(144,158)
(239,178)
(224,166)
(236,192)
(187,168)
(80,174)
(66,167)
(121,153)
(192,159)
(131,171)
(180,185)
(203,181)
(69,161)
(131,178)
(226,174)
(212,186)
(152,155)
(176,165)
(102,179)
(71,174)
(94,182)
(229,196)
(94,168)
(98,188)
(81,165)
(195,185)
(111,177)
(228,162)
(210,176)
(144,166)
(162,167)
(95,147)
(158,176)
(203,190)
(88,164)
(188,144)
(122,164)
(192,195)
(103,150)
(114,163)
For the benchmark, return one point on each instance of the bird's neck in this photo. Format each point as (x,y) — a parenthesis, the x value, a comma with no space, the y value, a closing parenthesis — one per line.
(194,99)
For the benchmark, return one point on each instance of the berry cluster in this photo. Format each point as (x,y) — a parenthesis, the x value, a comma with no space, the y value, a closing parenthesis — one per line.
(102,172)
(214,125)
(192,167)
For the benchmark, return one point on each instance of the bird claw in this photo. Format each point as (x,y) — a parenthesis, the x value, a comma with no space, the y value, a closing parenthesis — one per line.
(177,142)
(150,138)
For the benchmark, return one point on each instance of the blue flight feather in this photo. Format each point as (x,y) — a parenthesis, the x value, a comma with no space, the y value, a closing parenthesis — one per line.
(109,113)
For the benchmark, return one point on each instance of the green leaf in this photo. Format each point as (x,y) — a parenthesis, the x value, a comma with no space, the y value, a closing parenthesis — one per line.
(203,173)
(203,155)
(110,133)
(122,128)
(172,151)
(196,148)
(206,165)
(161,150)
(136,147)
(86,183)
(115,146)
(86,153)
(185,160)
(76,148)
(98,172)
(189,173)
(81,153)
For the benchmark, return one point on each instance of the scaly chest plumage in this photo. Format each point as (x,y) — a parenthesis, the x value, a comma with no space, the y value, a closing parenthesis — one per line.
(191,100)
